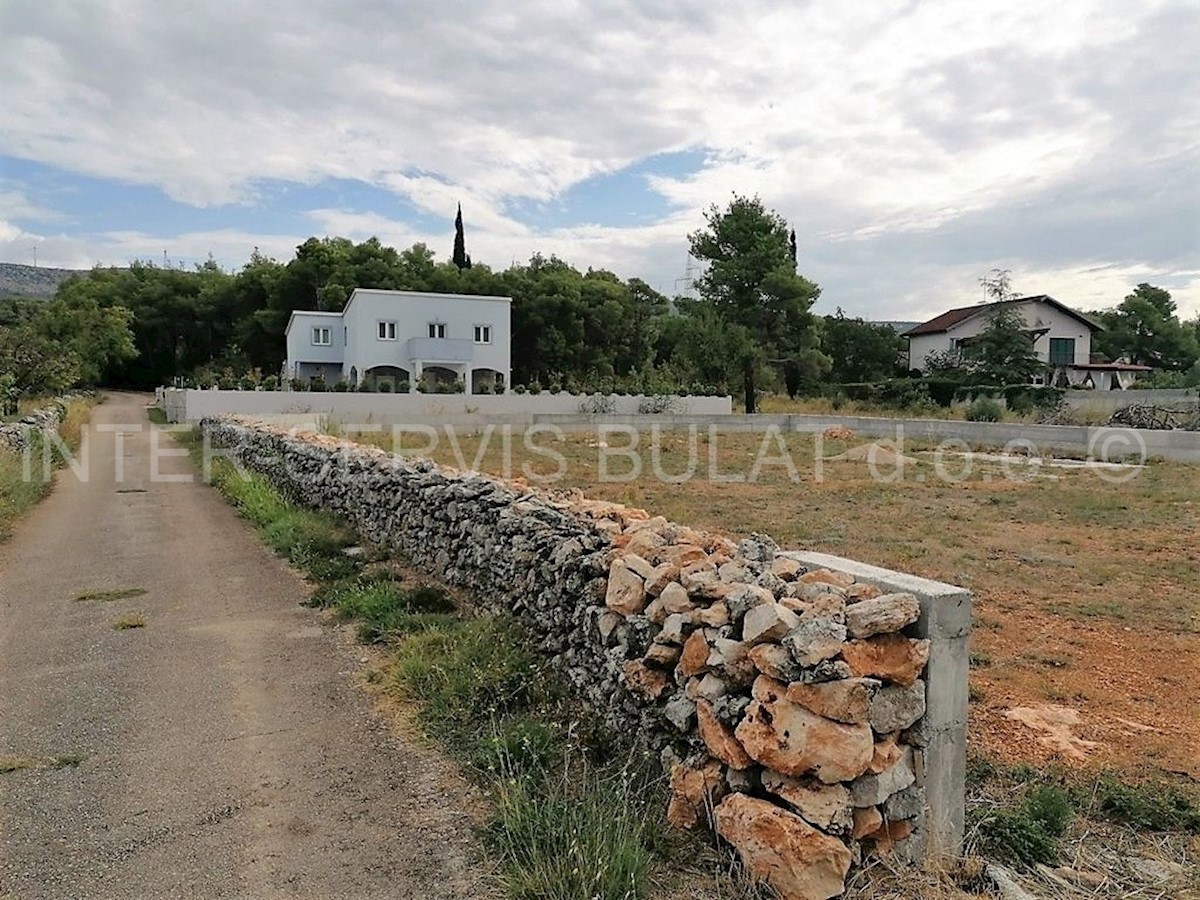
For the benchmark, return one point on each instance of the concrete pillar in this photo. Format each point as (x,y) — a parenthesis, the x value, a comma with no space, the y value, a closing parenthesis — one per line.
(946,622)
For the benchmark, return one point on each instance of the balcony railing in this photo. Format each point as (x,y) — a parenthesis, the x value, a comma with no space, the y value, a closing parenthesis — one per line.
(445,350)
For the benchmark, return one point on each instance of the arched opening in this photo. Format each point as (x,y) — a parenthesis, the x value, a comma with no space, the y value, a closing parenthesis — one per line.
(386,379)
(487,381)
(439,380)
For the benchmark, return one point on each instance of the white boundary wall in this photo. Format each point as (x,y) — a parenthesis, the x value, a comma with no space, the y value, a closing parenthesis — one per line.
(190,405)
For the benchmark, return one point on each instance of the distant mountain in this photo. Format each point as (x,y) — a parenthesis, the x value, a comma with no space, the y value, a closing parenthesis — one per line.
(900,327)
(17,280)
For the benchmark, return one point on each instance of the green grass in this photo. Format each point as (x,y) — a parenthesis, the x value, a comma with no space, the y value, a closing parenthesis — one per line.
(1151,806)
(384,607)
(109,596)
(9,764)
(1029,832)
(129,621)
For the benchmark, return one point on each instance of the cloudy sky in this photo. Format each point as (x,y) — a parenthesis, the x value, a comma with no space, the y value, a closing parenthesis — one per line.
(915,144)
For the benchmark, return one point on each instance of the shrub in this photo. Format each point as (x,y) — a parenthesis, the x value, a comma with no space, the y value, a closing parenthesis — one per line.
(457,386)
(520,389)
(535,387)
(270,383)
(1029,834)
(1148,807)
(984,409)
(384,387)
(403,386)
(341,386)
(297,384)
(317,383)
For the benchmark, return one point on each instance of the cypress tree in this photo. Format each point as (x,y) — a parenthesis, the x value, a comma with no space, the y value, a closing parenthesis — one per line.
(461,258)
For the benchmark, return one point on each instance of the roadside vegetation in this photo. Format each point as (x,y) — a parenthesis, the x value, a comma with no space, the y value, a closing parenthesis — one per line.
(18,493)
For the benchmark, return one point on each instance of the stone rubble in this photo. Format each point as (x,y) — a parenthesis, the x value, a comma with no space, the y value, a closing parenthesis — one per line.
(15,436)
(782,701)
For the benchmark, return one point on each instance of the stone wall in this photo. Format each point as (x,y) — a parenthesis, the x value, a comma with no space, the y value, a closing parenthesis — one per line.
(15,436)
(788,700)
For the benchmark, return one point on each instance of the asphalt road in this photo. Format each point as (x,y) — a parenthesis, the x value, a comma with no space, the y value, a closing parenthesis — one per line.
(222,750)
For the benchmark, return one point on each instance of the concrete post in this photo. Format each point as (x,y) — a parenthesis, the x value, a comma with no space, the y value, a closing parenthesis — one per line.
(946,622)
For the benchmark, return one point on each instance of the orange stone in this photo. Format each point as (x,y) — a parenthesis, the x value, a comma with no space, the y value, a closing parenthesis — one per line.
(720,738)
(891,657)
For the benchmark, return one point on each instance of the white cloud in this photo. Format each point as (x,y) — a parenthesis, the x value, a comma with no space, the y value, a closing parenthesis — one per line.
(914,144)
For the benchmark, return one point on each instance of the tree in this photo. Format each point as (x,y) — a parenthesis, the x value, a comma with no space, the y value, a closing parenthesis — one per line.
(1145,329)
(860,351)
(997,285)
(752,287)
(461,258)
(1003,352)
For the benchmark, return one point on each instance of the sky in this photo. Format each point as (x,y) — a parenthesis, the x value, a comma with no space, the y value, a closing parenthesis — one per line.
(914,145)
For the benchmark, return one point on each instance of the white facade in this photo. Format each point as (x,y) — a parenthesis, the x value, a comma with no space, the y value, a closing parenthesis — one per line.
(400,336)
(1063,339)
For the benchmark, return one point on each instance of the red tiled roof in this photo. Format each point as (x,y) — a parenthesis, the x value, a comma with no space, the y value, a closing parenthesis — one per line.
(950,318)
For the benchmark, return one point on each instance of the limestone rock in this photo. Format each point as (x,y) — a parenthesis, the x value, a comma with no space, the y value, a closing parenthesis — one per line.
(671,600)
(708,687)
(882,615)
(867,820)
(825,805)
(768,622)
(891,657)
(814,640)
(808,591)
(827,576)
(720,738)
(786,568)
(695,655)
(641,566)
(646,543)
(744,597)
(906,804)
(680,712)
(861,591)
(683,554)
(872,790)
(626,592)
(783,850)
(776,661)
(887,753)
(846,700)
(662,656)
(758,548)
(896,706)
(694,791)
(715,616)
(645,681)
(790,739)
(660,577)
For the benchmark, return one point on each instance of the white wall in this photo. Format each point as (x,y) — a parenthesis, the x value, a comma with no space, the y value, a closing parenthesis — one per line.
(190,405)
(300,348)
(412,313)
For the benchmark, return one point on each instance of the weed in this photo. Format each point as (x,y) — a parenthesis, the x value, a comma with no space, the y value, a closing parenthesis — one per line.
(129,621)
(581,834)
(66,761)
(1029,833)
(980,660)
(109,596)
(16,764)
(1154,806)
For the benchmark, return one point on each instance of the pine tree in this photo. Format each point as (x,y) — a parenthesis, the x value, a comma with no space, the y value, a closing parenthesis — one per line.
(792,248)
(461,258)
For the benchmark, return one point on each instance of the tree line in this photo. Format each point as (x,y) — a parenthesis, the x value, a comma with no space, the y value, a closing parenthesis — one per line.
(749,328)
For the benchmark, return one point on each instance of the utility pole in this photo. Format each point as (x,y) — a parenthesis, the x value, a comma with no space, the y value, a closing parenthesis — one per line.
(34,249)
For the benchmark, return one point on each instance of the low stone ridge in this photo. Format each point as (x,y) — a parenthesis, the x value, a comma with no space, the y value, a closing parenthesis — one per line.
(781,701)
(15,436)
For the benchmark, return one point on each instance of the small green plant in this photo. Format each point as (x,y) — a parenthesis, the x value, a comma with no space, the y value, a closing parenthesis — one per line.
(1031,832)
(109,596)
(984,409)
(129,621)
(1146,807)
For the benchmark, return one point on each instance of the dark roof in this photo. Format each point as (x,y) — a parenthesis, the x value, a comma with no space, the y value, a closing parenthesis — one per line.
(950,318)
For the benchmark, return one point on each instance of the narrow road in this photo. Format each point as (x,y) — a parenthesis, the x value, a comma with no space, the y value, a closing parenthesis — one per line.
(222,751)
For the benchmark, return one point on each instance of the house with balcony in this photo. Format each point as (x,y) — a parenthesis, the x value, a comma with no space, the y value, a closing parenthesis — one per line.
(1061,337)
(401,337)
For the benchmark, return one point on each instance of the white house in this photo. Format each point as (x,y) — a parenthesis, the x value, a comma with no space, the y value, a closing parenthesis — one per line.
(396,336)
(1062,338)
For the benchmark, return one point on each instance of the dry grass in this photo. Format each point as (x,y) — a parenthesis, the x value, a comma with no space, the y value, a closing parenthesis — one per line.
(129,621)
(109,596)
(1097,577)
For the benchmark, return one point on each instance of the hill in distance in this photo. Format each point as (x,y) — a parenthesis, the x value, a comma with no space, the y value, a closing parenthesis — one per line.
(17,280)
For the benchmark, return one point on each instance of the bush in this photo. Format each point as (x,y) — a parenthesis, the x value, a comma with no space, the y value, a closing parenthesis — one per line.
(1148,807)
(535,387)
(317,384)
(985,409)
(341,386)
(1029,834)
(270,383)
(520,389)
(384,387)
(403,386)
(296,384)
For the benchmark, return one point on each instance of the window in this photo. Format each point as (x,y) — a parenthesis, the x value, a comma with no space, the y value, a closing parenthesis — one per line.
(483,334)
(386,331)
(437,329)
(1062,351)
(321,338)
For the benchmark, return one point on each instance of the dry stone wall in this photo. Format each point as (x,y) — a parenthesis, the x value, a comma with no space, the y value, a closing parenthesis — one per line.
(15,436)
(788,702)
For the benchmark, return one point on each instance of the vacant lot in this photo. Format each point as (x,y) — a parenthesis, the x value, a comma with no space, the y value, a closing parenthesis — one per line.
(1086,585)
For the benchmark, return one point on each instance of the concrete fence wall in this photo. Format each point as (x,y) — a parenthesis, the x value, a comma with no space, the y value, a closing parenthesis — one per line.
(1111,401)
(1109,444)
(813,706)
(191,405)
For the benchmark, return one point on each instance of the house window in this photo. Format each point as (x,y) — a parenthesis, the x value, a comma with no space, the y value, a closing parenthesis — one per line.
(386,331)
(321,338)
(1062,351)
(437,329)
(483,334)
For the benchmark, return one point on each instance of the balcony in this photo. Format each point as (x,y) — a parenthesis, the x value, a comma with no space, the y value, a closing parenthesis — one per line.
(440,350)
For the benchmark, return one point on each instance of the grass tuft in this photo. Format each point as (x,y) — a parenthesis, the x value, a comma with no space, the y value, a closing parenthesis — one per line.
(109,596)
(16,764)
(1153,806)
(129,621)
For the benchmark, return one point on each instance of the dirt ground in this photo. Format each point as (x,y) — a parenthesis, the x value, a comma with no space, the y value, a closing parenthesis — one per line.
(1088,608)
(219,751)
